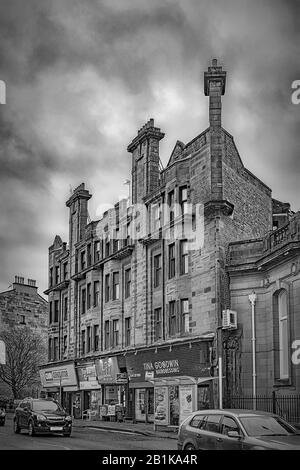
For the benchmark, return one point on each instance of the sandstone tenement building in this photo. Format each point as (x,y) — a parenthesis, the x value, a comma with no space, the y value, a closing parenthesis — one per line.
(22,306)
(136,305)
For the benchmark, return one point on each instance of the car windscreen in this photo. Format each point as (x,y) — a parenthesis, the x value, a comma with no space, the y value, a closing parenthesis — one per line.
(266,426)
(45,406)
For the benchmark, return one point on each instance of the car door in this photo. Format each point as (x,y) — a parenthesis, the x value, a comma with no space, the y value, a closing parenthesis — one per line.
(20,414)
(226,442)
(192,433)
(210,431)
(26,414)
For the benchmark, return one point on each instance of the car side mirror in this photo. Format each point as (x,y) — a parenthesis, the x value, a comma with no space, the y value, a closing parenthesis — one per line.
(234,434)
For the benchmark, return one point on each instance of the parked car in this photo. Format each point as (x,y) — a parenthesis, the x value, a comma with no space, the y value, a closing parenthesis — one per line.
(237,430)
(42,416)
(2,416)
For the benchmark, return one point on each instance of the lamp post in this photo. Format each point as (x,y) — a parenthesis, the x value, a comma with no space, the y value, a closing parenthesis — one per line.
(252,299)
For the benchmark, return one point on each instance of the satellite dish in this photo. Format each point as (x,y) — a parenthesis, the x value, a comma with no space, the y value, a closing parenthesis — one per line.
(2,352)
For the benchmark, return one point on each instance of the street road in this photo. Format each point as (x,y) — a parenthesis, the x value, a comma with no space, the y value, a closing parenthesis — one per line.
(81,439)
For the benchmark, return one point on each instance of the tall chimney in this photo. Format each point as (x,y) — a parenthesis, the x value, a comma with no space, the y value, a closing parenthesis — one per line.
(214,87)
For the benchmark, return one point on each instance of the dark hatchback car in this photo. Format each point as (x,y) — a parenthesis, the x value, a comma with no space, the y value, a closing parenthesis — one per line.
(42,416)
(236,430)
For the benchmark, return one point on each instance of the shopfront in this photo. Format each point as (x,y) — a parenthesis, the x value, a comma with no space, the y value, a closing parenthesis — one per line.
(169,383)
(112,376)
(60,383)
(91,395)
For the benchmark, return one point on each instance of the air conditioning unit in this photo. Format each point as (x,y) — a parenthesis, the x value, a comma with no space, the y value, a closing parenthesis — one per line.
(229,320)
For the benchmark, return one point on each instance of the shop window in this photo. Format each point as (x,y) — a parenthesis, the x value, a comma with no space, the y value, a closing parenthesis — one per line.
(157,270)
(56,311)
(184,267)
(157,324)
(115,333)
(107,287)
(88,295)
(172,318)
(116,286)
(127,331)
(96,337)
(127,283)
(96,293)
(171,261)
(185,320)
(106,334)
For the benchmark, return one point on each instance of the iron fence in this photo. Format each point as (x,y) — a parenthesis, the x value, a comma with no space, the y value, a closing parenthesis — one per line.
(286,406)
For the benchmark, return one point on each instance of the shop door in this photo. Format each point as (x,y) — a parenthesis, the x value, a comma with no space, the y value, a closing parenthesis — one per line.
(150,405)
(77,405)
(140,409)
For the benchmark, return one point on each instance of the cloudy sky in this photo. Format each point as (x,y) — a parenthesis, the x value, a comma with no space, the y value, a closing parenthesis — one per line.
(83,76)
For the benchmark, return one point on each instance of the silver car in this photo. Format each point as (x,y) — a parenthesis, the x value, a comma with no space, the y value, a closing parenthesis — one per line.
(236,430)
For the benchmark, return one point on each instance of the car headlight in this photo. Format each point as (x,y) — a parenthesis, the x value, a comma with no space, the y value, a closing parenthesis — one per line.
(40,418)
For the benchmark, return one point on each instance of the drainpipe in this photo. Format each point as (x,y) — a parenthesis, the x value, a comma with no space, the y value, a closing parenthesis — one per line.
(252,299)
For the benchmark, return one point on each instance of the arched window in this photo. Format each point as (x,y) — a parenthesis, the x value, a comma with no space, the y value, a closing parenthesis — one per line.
(283,335)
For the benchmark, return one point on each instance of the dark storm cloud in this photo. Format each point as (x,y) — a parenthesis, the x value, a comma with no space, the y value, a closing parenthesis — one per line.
(82,77)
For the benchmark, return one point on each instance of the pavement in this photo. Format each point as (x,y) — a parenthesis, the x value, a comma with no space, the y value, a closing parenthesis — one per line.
(141,429)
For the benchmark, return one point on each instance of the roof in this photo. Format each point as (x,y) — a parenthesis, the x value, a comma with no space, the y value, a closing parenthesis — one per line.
(239,412)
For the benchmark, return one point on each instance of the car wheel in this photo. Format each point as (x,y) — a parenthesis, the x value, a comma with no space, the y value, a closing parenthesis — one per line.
(17,428)
(67,434)
(189,447)
(31,431)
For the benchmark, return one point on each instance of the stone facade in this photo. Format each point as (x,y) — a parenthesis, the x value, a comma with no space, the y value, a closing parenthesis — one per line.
(23,306)
(268,266)
(151,273)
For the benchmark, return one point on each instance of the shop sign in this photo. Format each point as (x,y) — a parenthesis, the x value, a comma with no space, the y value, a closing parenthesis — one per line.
(64,375)
(108,370)
(122,378)
(161,405)
(180,360)
(88,377)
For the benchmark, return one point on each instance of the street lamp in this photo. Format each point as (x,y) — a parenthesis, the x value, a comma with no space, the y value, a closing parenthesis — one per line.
(252,299)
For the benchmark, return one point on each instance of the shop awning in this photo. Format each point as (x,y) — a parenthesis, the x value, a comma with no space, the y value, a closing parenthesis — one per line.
(182,380)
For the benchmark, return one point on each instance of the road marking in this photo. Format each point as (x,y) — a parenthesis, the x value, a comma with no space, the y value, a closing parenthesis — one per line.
(111,430)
